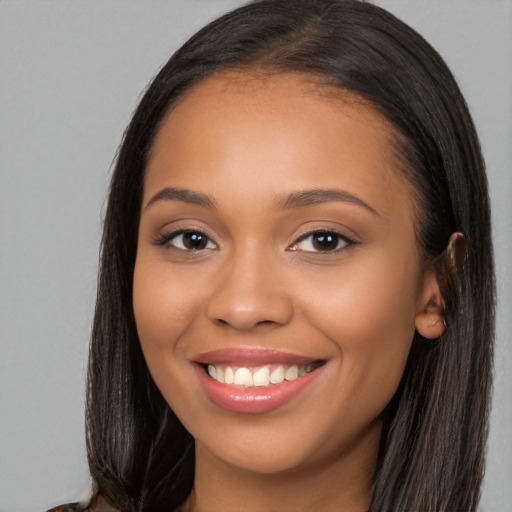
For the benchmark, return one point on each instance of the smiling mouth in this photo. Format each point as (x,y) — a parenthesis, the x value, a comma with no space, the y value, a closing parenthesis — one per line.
(262,376)
(255,381)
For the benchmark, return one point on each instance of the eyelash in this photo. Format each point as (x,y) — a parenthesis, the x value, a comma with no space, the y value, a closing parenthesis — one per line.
(338,237)
(166,239)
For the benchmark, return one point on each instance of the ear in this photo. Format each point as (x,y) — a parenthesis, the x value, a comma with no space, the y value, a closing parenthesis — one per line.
(429,321)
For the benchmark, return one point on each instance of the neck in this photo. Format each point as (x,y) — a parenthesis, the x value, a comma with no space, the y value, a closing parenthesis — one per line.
(343,483)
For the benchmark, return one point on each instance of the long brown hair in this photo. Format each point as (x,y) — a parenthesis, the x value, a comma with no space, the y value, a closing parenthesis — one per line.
(435,428)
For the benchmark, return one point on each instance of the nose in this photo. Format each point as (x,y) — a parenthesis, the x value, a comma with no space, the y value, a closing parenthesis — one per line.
(249,291)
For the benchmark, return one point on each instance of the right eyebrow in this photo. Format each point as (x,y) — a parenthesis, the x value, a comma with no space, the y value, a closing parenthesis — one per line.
(182,194)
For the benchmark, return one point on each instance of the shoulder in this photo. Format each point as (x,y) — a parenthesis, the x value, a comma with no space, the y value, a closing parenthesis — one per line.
(98,503)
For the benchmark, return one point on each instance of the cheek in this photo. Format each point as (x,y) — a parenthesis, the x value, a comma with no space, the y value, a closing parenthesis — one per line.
(164,302)
(163,310)
(368,313)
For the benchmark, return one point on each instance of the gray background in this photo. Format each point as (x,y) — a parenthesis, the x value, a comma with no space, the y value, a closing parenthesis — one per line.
(70,76)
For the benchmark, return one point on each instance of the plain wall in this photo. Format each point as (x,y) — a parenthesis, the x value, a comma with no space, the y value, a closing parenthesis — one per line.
(70,76)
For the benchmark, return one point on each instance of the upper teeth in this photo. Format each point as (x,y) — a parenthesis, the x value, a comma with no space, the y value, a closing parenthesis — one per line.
(262,376)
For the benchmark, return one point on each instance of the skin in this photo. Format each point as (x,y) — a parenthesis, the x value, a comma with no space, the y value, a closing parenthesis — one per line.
(248,143)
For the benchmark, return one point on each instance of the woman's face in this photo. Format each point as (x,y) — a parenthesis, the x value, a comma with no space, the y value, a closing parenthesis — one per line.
(278,280)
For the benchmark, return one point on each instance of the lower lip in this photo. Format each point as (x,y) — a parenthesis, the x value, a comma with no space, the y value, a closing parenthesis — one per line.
(253,400)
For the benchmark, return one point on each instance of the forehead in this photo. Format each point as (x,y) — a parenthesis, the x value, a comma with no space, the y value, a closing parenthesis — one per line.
(281,130)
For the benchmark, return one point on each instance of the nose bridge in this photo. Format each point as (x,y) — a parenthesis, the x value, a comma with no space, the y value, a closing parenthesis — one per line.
(249,290)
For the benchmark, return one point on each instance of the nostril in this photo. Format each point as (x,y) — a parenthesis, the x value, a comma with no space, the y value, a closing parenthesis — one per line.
(245,325)
(246,304)
(267,322)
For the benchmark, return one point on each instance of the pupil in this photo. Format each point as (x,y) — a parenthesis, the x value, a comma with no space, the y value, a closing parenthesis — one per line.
(194,241)
(325,241)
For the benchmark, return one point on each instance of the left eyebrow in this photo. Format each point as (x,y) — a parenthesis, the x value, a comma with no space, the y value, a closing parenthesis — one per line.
(319,196)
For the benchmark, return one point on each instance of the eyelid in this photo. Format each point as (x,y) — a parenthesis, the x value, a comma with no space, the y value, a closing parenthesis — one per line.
(348,241)
(164,238)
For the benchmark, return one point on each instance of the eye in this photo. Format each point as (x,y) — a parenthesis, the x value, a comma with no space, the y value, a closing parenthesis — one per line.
(322,241)
(186,240)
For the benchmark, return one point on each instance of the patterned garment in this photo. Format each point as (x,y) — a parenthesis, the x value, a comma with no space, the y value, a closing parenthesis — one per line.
(98,503)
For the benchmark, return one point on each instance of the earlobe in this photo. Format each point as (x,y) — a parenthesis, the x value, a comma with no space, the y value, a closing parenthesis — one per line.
(430,325)
(429,321)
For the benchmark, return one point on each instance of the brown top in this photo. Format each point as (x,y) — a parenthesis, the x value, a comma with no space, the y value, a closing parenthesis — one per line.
(98,503)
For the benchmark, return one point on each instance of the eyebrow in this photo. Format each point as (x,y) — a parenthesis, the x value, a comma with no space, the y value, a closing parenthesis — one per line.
(294,200)
(320,196)
(184,195)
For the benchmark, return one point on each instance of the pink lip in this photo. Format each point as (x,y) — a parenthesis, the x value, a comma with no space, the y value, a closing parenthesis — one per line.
(253,400)
(251,357)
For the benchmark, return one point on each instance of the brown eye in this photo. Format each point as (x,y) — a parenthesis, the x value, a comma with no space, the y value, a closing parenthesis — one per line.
(322,241)
(325,241)
(188,240)
(194,240)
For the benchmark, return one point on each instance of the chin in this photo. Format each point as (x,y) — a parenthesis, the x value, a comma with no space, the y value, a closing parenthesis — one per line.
(264,462)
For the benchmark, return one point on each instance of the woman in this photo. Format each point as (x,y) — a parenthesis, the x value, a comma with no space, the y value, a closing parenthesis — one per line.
(295,303)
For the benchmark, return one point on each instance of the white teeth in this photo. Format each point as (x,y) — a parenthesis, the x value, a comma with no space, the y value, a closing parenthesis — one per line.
(243,377)
(292,373)
(277,376)
(229,376)
(261,377)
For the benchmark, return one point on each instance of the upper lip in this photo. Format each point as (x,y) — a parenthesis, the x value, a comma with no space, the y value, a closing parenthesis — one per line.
(251,357)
